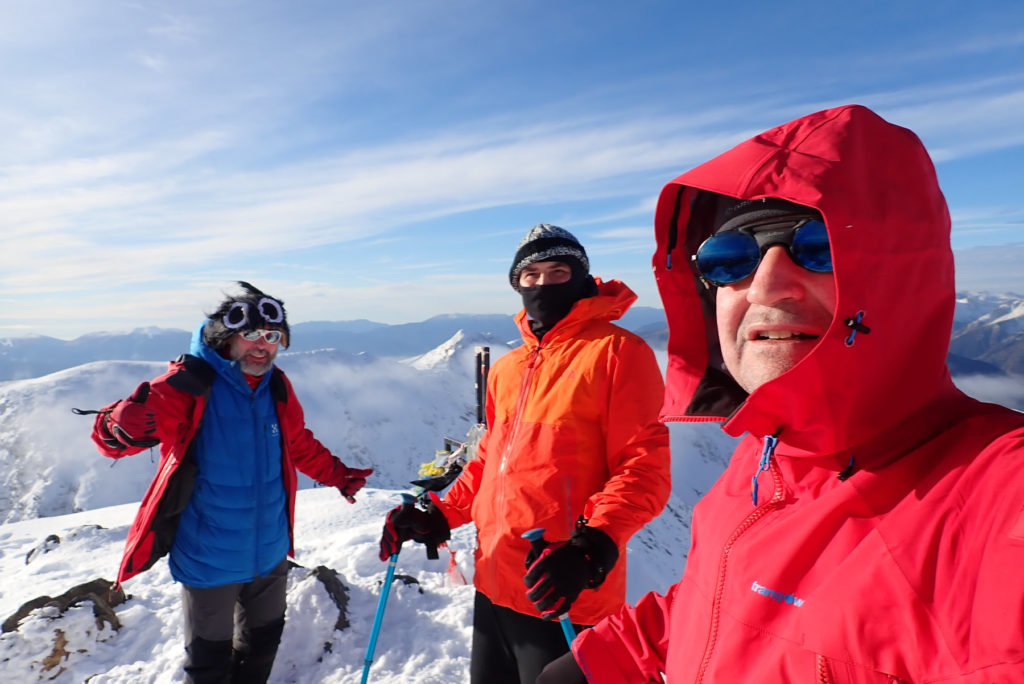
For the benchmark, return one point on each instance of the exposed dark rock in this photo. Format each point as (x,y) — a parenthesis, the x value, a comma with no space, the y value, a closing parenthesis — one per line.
(100,591)
(337,591)
(408,579)
(51,542)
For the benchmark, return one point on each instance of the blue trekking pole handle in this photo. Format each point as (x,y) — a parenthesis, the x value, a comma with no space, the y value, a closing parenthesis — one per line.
(536,539)
(407,500)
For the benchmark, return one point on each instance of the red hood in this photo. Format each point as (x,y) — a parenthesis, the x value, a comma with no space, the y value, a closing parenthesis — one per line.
(888,224)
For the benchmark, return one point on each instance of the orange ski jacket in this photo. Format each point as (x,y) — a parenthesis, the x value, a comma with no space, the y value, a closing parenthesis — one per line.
(573,430)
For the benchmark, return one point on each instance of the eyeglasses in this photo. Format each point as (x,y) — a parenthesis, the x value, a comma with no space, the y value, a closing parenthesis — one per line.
(271,336)
(731,256)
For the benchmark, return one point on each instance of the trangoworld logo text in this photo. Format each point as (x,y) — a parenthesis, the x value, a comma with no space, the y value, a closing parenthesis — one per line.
(776,595)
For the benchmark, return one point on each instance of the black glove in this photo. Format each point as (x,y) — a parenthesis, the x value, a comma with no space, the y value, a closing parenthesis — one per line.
(559,571)
(562,670)
(407,522)
(132,422)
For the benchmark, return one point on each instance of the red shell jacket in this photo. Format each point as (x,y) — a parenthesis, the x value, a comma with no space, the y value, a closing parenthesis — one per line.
(572,429)
(888,539)
(178,398)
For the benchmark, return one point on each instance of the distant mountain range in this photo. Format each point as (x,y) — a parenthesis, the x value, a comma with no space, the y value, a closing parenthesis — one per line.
(990,330)
(35,356)
(988,339)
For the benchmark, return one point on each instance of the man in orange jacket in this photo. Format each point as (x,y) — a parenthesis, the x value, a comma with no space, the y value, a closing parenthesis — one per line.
(573,446)
(870,526)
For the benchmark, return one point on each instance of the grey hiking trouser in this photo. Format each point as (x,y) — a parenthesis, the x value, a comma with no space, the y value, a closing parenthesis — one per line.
(234,628)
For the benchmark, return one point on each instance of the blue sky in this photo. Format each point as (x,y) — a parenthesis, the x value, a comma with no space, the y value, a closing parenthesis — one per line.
(382,160)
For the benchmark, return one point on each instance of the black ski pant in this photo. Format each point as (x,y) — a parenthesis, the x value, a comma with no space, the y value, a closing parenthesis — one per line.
(510,647)
(232,631)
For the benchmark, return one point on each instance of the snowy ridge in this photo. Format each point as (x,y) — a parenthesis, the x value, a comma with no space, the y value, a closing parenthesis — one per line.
(977,310)
(461,343)
(1010,317)
(971,305)
(990,328)
(378,413)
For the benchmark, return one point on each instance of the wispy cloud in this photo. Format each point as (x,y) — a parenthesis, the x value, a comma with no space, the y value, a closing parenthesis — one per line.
(164,151)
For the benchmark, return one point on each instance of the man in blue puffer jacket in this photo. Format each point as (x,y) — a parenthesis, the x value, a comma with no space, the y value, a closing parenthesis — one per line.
(231,435)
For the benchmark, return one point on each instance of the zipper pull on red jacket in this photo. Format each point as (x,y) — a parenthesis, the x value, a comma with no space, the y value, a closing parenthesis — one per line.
(766,454)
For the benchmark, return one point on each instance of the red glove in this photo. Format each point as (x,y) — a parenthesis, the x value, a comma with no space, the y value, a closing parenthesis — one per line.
(348,480)
(132,422)
(355,479)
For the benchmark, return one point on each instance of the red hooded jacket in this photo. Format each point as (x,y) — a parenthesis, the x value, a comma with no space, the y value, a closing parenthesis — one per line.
(178,398)
(572,429)
(888,539)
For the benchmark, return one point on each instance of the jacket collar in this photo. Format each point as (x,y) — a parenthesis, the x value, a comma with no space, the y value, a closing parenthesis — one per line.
(230,371)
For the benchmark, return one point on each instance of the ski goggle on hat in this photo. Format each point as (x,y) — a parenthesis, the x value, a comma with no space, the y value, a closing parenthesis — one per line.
(238,314)
(733,255)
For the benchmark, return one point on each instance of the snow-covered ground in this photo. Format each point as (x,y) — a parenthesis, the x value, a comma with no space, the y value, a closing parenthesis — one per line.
(425,635)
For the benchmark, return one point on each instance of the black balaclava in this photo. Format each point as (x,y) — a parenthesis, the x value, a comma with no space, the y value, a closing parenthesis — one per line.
(546,305)
(253,310)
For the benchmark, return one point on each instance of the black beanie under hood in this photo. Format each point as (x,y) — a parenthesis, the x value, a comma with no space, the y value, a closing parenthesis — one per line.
(733,213)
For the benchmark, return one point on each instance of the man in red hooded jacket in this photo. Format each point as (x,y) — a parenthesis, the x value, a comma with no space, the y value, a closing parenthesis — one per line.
(573,445)
(870,526)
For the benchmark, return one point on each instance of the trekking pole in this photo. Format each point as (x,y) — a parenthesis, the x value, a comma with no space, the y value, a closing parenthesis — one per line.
(536,537)
(407,500)
(483,365)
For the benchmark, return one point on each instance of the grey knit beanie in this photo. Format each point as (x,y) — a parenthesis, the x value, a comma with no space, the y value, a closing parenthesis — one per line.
(545,242)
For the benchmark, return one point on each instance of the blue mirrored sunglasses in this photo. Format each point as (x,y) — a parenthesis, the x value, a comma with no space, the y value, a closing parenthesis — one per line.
(271,336)
(731,256)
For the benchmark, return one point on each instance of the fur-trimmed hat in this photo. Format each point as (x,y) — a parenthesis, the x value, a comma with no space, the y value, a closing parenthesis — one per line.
(545,242)
(252,310)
